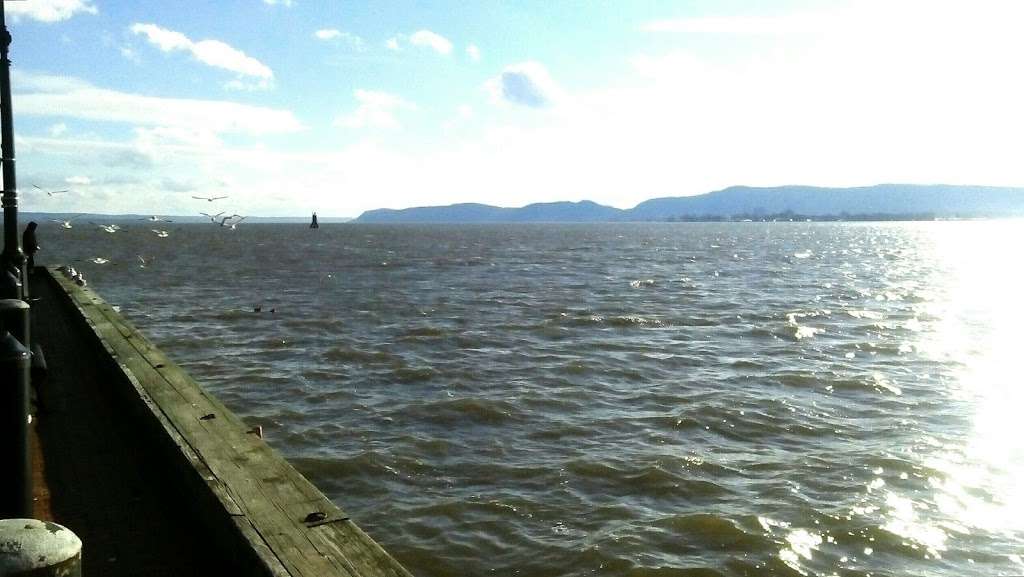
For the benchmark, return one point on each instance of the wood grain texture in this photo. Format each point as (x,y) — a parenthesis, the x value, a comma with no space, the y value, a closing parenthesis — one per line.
(251,485)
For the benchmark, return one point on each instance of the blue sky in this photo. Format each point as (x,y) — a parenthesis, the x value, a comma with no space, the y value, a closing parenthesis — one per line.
(290,106)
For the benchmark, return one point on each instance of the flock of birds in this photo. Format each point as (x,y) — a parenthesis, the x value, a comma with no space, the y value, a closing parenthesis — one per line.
(230,222)
(224,220)
(73,274)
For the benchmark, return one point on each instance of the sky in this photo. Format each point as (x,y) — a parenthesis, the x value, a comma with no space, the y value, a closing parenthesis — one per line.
(294,106)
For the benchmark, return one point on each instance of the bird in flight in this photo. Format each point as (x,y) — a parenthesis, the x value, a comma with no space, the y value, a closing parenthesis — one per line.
(157,219)
(49,192)
(143,261)
(64,223)
(111,228)
(99,260)
(213,217)
(232,225)
(160,233)
(208,198)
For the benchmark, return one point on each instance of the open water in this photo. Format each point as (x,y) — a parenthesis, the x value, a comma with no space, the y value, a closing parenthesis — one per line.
(626,400)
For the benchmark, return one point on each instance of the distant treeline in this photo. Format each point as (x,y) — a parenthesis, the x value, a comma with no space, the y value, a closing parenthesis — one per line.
(795,217)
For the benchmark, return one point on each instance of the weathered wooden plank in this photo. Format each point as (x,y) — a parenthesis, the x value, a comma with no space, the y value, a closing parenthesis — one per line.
(268,500)
(246,445)
(220,458)
(194,466)
(247,454)
(204,491)
(348,540)
(303,563)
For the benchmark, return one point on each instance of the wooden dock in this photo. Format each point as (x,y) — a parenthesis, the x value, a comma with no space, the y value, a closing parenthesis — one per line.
(155,475)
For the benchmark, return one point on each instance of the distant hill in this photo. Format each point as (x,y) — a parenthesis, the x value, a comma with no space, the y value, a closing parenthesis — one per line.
(881,201)
(585,211)
(85,217)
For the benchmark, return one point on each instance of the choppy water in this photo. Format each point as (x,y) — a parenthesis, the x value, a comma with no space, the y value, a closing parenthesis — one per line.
(641,399)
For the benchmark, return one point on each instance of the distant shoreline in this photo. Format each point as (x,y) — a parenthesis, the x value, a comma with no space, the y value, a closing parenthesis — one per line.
(884,202)
(776,218)
(85,217)
(786,217)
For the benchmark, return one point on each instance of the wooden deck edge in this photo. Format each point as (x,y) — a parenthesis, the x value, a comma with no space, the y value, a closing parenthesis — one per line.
(260,511)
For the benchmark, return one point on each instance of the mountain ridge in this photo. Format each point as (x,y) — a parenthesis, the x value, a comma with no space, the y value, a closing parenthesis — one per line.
(881,200)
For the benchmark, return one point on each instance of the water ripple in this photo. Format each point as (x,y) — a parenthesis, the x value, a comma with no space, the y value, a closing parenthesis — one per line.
(629,400)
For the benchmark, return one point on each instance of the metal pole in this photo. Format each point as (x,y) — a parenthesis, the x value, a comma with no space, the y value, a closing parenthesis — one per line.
(13,258)
(15,367)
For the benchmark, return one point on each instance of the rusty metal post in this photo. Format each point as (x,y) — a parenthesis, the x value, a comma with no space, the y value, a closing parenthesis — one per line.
(12,258)
(33,548)
(15,367)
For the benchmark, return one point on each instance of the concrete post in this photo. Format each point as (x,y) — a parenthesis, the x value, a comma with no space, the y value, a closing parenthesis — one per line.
(38,549)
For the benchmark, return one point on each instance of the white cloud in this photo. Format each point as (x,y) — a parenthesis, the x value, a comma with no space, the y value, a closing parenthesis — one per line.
(926,100)
(432,40)
(48,10)
(162,38)
(787,24)
(145,177)
(210,52)
(524,84)
(473,52)
(57,96)
(285,3)
(376,110)
(58,129)
(80,180)
(687,122)
(129,54)
(908,18)
(220,55)
(333,34)
(197,137)
(327,33)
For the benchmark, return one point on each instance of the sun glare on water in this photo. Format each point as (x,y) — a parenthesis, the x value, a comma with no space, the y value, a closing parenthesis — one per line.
(976,325)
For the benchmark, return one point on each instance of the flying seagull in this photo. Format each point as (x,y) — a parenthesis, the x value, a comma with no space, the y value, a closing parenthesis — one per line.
(160,233)
(157,219)
(64,223)
(208,198)
(143,261)
(99,260)
(49,192)
(111,228)
(232,225)
(213,217)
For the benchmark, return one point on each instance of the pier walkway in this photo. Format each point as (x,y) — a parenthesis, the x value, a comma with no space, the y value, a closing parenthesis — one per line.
(155,475)
(94,472)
